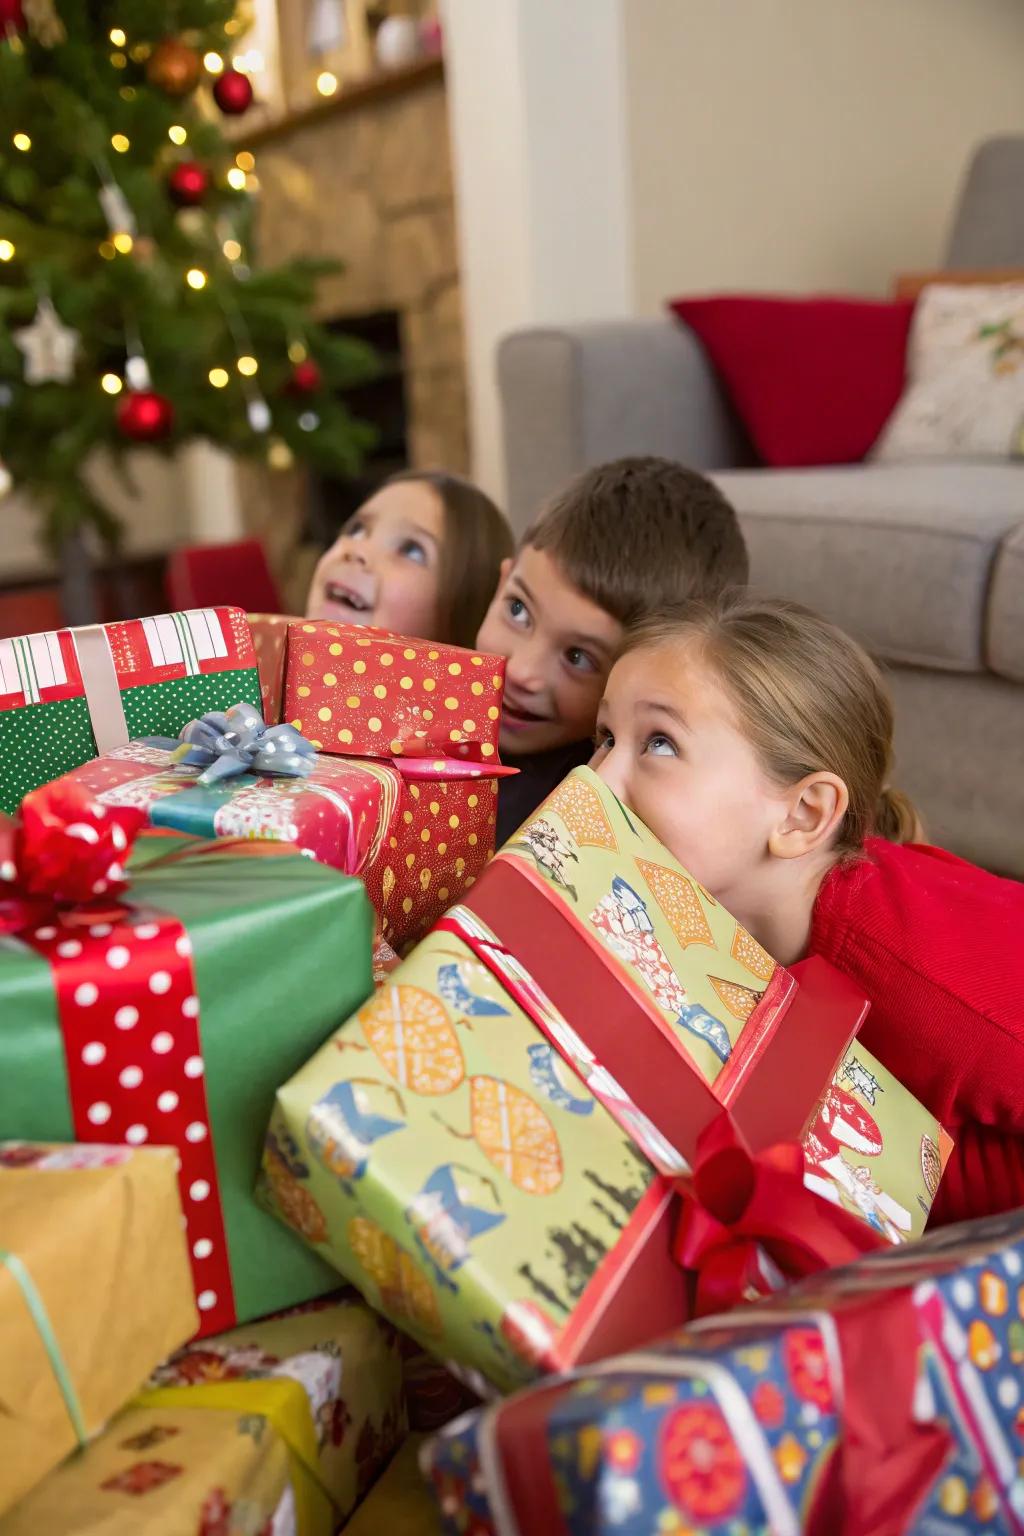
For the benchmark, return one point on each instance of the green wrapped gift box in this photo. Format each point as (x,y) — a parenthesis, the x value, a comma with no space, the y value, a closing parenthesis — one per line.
(71,694)
(171,1018)
(480,1141)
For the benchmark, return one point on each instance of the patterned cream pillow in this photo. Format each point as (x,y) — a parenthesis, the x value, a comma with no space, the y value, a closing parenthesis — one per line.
(965,377)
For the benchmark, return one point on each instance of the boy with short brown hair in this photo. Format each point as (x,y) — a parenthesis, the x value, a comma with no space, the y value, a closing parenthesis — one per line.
(621,541)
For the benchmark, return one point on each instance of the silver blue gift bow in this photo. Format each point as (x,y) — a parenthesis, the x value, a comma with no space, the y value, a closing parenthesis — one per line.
(238,741)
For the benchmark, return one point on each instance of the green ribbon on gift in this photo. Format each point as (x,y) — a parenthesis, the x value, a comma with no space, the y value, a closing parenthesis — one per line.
(39,1315)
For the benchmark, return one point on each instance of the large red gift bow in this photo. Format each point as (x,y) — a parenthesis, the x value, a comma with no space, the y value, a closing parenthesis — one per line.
(126,1003)
(737,1205)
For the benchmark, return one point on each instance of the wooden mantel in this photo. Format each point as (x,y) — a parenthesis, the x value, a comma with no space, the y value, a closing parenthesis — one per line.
(350,98)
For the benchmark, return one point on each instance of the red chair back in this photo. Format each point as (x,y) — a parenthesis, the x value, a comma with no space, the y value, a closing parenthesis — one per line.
(212,575)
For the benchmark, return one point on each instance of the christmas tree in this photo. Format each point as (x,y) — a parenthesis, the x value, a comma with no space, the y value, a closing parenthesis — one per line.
(131,310)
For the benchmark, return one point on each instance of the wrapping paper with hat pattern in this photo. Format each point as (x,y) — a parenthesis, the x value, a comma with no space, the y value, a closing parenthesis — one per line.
(438,1153)
(280,1426)
(727,1427)
(478,1176)
(168,670)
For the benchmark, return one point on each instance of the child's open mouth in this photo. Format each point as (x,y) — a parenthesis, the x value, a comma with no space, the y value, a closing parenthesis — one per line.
(516,718)
(347,598)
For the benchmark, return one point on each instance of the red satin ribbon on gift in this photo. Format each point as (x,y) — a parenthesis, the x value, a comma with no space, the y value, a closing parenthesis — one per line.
(737,1204)
(126,1002)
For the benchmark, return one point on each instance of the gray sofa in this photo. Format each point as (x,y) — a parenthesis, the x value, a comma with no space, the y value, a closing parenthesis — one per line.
(922,562)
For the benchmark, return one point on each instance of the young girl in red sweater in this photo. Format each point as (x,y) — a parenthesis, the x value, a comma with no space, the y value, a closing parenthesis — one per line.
(755,740)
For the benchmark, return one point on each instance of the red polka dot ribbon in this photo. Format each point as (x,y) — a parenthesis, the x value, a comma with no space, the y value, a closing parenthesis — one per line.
(127,1006)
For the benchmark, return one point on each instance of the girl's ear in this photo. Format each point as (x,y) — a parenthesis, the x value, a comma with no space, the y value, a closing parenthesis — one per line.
(814,812)
(504,571)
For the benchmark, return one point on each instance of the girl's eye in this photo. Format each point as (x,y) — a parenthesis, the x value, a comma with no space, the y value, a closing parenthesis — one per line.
(355,529)
(604,741)
(412,549)
(517,610)
(660,746)
(579,661)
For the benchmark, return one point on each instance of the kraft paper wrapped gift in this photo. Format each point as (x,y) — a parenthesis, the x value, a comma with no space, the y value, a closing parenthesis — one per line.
(168,1009)
(884,1399)
(277,1427)
(485,1163)
(95,1288)
(70,694)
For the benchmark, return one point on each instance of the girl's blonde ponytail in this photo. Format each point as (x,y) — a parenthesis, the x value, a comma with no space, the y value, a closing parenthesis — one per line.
(896,818)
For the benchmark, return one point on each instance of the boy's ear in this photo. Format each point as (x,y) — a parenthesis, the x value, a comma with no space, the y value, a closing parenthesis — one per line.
(504,571)
(814,811)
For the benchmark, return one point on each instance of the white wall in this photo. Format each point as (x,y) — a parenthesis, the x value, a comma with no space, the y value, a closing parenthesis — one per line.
(537,111)
(807,144)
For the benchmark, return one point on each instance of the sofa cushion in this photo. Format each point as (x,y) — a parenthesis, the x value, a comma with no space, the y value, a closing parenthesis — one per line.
(901,555)
(814,380)
(1006,610)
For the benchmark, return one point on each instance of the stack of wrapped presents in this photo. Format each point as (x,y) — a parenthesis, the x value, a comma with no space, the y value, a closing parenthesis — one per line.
(352,1176)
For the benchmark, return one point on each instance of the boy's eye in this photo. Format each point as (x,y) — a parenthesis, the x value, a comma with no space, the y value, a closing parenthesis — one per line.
(517,610)
(579,660)
(659,745)
(604,741)
(412,549)
(356,529)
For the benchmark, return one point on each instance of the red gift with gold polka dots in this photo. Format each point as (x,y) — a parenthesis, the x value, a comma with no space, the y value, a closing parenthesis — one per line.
(367,693)
(432,712)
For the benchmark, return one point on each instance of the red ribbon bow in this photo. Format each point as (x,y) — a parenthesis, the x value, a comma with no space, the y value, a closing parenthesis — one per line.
(66,848)
(739,1205)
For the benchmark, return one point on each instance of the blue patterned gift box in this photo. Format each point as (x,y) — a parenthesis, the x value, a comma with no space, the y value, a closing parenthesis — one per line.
(727,1428)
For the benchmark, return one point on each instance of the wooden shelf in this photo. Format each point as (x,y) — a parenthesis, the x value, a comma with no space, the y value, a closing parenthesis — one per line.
(350,98)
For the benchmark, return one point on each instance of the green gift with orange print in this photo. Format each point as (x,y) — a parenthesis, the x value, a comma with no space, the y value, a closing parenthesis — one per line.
(490,1143)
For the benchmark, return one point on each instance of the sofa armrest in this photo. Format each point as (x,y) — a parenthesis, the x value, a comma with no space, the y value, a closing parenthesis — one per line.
(575,395)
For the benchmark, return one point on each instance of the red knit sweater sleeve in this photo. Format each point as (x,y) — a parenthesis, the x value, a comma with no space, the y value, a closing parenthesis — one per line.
(938,947)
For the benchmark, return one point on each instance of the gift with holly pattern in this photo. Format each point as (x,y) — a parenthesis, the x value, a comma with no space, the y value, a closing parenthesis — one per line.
(496,1140)
(882,1399)
(160,994)
(231,775)
(281,1425)
(68,695)
(86,1233)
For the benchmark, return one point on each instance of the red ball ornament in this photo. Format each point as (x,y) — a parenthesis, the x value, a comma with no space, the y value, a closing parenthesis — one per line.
(232,91)
(306,378)
(12,18)
(145,416)
(188,183)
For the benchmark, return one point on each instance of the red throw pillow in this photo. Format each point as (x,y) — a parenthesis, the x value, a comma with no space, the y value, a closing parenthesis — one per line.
(814,380)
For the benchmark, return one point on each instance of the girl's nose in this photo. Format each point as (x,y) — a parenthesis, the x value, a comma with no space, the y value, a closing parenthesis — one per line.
(354,550)
(612,770)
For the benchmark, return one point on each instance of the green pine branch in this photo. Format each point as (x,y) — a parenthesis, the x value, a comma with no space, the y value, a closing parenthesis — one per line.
(76,103)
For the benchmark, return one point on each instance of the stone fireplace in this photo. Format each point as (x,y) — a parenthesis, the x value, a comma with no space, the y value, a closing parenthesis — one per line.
(365,179)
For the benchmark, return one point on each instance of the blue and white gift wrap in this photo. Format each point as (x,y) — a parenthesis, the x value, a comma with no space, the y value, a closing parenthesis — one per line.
(739,1425)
